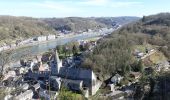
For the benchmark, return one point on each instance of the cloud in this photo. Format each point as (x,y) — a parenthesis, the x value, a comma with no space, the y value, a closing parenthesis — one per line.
(58,6)
(110,3)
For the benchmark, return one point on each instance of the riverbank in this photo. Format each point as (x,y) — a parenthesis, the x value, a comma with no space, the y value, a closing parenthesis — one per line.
(33,43)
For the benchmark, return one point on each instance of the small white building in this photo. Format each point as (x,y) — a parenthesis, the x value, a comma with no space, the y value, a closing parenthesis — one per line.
(9,74)
(51,37)
(6,47)
(116,79)
(13,45)
(140,54)
(40,38)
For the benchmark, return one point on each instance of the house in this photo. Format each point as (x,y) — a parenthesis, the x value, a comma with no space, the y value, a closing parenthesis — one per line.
(116,79)
(25,86)
(51,37)
(9,74)
(27,95)
(75,85)
(36,86)
(43,67)
(158,68)
(40,38)
(55,82)
(140,54)
(111,87)
(135,75)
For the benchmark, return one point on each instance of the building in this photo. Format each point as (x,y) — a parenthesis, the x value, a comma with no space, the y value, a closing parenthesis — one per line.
(116,79)
(140,54)
(40,38)
(55,82)
(78,78)
(75,79)
(56,64)
(51,37)
(9,74)
(27,95)
(135,75)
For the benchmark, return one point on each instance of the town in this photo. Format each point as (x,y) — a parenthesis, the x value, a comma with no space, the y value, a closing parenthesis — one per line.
(50,37)
(47,75)
(84,50)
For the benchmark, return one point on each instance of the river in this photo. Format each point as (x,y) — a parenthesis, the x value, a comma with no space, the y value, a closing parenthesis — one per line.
(43,47)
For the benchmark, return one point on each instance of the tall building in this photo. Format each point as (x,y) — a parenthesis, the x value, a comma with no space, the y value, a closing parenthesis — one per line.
(56,64)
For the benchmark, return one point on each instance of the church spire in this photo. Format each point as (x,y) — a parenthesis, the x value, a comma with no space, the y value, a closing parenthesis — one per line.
(57,56)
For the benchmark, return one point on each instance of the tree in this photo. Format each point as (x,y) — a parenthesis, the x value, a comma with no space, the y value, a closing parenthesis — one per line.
(81,47)
(60,49)
(140,66)
(5,58)
(128,69)
(86,46)
(65,50)
(66,94)
(75,50)
(143,18)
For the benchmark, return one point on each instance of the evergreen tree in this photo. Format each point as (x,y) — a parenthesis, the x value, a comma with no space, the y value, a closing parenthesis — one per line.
(59,49)
(75,50)
(140,66)
(128,69)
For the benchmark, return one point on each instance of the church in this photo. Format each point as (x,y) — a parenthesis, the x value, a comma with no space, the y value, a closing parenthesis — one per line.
(76,79)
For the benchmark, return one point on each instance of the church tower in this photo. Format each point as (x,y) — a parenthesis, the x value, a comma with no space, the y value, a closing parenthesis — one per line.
(56,64)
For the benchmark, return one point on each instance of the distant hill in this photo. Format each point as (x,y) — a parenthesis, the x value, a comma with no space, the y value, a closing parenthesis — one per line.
(157,26)
(82,24)
(12,28)
(73,24)
(111,21)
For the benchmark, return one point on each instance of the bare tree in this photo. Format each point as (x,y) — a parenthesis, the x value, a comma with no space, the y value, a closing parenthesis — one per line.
(5,58)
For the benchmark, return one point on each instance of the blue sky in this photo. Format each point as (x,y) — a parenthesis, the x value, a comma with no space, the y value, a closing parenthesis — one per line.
(82,8)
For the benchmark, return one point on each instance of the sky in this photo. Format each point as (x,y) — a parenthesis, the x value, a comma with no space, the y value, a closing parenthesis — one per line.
(83,8)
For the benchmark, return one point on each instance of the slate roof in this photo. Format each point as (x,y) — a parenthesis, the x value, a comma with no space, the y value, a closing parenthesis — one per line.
(75,73)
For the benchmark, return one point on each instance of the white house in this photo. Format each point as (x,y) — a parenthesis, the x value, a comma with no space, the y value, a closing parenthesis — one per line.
(116,79)
(40,38)
(140,54)
(51,37)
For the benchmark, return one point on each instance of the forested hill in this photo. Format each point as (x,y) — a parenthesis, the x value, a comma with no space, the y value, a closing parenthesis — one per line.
(114,53)
(12,28)
(82,24)
(157,27)
(111,21)
(73,24)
